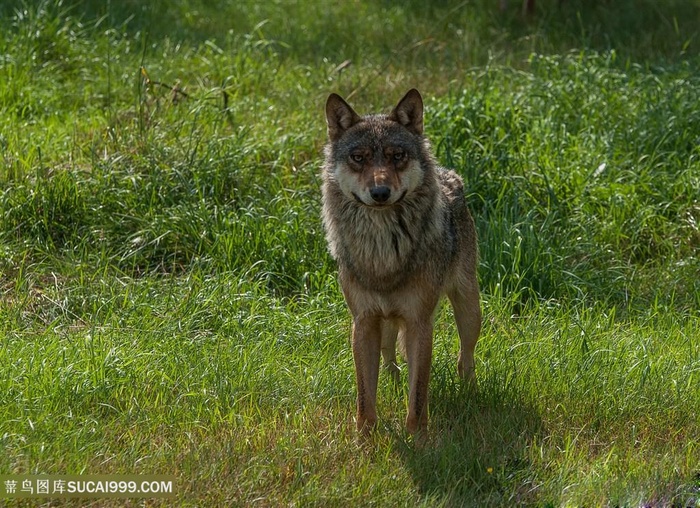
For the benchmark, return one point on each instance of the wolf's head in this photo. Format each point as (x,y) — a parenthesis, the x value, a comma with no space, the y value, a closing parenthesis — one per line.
(377,160)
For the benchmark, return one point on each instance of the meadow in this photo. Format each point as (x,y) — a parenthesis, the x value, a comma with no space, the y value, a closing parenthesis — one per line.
(168,304)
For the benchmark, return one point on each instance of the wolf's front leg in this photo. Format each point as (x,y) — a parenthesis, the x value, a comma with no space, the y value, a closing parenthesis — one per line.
(366,347)
(419,352)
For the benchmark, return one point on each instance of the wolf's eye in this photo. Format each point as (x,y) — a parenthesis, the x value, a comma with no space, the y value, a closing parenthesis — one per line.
(399,156)
(356,157)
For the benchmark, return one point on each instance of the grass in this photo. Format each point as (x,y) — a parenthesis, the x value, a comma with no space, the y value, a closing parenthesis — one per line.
(167,304)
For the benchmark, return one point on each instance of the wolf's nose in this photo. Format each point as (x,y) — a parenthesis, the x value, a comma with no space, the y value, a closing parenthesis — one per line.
(380,193)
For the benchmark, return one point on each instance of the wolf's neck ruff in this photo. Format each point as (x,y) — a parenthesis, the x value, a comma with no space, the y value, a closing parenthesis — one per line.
(380,247)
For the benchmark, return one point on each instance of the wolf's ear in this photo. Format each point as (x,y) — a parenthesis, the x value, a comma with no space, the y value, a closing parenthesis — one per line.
(409,112)
(340,116)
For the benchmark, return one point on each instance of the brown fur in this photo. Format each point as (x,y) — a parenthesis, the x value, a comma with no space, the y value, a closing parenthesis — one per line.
(402,235)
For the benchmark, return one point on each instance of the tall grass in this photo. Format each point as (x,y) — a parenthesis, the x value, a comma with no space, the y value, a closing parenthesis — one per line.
(167,304)
(579,181)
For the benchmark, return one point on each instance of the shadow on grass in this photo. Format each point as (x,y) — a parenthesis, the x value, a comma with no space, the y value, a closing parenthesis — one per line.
(644,30)
(640,29)
(478,450)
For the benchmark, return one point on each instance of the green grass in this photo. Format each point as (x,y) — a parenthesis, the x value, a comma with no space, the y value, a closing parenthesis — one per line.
(168,306)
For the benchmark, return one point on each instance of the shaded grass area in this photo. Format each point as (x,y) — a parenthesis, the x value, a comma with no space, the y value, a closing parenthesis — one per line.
(167,304)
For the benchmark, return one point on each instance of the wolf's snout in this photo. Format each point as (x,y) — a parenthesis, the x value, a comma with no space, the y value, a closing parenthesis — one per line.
(380,193)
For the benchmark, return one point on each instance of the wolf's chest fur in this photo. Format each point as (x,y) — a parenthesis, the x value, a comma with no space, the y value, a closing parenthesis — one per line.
(379,247)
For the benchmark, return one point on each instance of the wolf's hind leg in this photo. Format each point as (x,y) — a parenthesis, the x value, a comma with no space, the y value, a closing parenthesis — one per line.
(465,303)
(389,333)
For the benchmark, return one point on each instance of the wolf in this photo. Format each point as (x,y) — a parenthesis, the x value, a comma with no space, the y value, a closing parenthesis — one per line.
(398,226)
